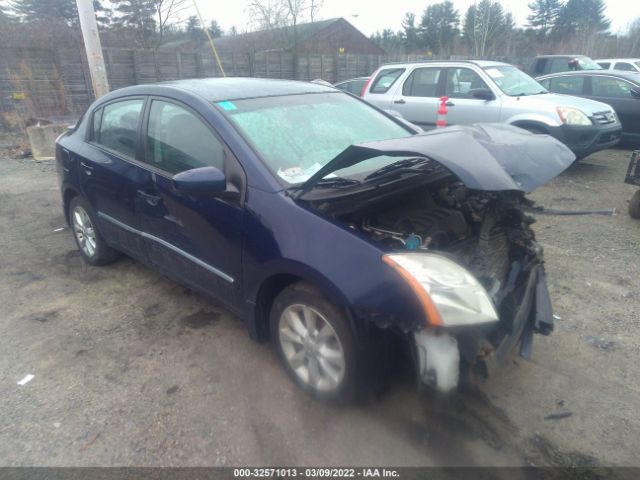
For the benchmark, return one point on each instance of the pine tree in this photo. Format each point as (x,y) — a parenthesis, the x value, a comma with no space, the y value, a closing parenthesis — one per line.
(410,33)
(137,15)
(544,14)
(483,24)
(56,10)
(214,29)
(439,26)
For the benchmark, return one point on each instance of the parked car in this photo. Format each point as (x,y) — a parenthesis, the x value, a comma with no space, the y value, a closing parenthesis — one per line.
(483,91)
(322,221)
(353,85)
(545,64)
(621,90)
(621,64)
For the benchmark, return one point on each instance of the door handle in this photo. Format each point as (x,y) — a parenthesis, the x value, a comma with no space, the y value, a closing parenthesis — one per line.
(87,168)
(150,198)
(450,104)
(401,101)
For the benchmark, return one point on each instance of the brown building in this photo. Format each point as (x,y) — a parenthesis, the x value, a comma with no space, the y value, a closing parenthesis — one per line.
(326,37)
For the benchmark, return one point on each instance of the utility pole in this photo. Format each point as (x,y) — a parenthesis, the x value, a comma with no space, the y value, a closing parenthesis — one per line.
(93,48)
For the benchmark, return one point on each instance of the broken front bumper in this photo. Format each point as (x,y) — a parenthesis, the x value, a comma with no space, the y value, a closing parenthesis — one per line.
(439,354)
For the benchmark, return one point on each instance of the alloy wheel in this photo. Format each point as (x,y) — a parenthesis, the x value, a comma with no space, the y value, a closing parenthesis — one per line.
(84,231)
(311,347)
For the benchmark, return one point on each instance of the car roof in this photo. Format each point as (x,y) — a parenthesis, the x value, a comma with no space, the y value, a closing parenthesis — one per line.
(480,63)
(631,76)
(560,56)
(233,88)
(617,60)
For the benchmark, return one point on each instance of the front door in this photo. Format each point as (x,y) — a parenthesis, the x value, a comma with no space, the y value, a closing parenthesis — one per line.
(194,238)
(463,108)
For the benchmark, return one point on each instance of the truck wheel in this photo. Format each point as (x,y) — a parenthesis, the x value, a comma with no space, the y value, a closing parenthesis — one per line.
(634,205)
(314,342)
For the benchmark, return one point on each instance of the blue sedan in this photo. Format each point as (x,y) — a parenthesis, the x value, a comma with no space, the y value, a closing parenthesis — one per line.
(330,226)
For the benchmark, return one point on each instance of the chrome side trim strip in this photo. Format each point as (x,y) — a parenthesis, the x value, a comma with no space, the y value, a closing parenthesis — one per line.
(166,244)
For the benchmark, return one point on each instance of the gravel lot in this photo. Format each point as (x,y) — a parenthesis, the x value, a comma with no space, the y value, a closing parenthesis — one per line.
(133,369)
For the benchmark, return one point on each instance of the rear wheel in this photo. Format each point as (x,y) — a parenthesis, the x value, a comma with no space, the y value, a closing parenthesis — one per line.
(634,205)
(314,341)
(92,246)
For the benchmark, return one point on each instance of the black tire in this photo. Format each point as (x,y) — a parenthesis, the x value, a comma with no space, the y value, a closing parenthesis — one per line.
(100,253)
(303,293)
(634,205)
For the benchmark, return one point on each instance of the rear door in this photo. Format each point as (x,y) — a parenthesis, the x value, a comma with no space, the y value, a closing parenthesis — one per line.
(462,107)
(109,171)
(617,93)
(194,238)
(418,98)
(380,92)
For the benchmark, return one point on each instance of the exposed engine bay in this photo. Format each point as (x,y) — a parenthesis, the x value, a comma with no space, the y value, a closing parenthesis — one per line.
(489,234)
(484,231)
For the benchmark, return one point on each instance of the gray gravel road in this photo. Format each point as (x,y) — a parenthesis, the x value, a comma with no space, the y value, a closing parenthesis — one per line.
(133,369)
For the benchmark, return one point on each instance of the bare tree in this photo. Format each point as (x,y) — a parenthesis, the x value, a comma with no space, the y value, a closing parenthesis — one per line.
(166,11)
(268,14)
(314,8)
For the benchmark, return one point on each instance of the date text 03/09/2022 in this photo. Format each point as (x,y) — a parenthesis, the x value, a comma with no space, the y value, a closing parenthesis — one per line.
(315,472)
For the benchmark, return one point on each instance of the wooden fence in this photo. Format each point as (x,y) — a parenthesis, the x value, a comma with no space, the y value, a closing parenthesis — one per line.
(55,83)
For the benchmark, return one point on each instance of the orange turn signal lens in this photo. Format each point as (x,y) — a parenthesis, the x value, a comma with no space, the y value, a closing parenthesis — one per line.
(430,310)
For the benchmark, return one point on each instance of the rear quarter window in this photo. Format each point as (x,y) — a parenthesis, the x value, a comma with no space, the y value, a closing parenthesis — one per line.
(385,80)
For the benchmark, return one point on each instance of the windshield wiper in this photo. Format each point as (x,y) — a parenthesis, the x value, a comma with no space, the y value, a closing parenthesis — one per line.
(333,182)
(401,166)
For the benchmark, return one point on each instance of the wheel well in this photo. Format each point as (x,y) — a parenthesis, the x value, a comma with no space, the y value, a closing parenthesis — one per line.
(269,290)
(69,194)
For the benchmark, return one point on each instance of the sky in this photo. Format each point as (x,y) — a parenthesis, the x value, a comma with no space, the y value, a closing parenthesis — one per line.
(372,15)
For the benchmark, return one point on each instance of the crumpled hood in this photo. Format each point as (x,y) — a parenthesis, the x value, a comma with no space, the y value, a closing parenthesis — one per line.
(491,157)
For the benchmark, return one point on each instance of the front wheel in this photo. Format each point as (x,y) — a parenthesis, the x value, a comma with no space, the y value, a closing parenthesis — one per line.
(92,246)
(314,342)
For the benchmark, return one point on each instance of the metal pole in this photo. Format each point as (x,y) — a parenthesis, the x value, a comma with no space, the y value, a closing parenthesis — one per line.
(93,48)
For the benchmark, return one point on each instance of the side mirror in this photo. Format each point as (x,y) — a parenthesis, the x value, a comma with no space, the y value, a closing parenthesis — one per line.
(482,94)
(200,181)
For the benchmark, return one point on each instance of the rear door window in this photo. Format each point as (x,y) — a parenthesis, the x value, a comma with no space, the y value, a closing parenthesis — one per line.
(177,140)
(568,85)
(423,82)
(610,87)
(604,65)
(119,126)
(385,80)
(624,66)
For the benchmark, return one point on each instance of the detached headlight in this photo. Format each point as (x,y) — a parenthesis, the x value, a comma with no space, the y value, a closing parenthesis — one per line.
(573,116)
(450,295)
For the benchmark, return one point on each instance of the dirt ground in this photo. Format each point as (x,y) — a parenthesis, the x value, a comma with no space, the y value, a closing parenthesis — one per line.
(133,369)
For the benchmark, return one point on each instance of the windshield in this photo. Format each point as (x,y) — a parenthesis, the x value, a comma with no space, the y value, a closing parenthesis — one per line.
(587,64)
(513,81)
(296,135)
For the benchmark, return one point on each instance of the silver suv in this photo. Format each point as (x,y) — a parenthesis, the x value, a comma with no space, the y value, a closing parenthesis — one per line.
(483,91)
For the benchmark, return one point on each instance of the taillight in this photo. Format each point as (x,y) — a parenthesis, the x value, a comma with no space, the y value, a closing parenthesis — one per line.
(366,85)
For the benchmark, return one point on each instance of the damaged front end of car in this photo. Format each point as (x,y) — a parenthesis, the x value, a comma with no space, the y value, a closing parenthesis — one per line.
(460,239)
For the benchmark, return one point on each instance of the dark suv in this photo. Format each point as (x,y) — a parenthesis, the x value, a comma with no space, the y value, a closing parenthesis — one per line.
(545,64)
